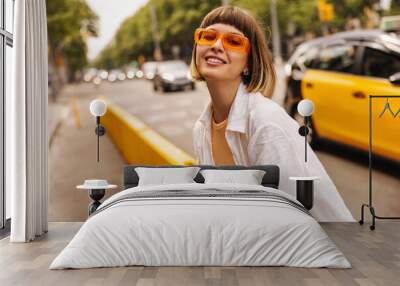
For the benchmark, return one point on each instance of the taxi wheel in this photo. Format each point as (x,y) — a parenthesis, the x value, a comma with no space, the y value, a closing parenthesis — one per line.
(312,136)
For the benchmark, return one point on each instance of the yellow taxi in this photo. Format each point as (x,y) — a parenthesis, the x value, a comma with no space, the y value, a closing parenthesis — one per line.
(339,73)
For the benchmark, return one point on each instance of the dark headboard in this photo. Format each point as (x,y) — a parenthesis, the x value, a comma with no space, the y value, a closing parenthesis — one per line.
(270,179)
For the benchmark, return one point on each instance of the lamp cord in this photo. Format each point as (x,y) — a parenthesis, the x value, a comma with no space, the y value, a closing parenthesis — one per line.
(305,137)
(98,145)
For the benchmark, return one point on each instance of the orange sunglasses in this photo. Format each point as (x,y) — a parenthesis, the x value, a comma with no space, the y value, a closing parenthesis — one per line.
(230,41)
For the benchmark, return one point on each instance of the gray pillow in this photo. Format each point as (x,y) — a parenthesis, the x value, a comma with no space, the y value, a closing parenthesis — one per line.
(248,177)
(162,176)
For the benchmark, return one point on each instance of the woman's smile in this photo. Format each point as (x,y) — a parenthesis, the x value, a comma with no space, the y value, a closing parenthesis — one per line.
(214,61)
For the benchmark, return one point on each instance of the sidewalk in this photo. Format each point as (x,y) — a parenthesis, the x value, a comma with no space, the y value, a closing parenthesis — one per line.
(72,157)
(57,112)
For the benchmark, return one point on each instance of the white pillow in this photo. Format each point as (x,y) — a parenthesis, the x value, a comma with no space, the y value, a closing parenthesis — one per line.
(161,176)
(249,177)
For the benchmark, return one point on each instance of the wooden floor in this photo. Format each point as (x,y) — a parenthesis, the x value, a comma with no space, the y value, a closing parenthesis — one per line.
(375,257)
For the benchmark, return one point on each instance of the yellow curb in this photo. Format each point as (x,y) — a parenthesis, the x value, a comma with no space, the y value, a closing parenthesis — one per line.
(138,143)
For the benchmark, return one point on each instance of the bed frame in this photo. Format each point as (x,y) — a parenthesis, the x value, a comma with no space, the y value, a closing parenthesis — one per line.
(270,179)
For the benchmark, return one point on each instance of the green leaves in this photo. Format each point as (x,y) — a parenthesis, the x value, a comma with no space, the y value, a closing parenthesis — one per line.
(177,20)
(69,23)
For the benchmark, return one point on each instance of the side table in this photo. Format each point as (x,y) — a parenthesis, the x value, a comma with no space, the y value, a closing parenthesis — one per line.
(96,193)
(305,190)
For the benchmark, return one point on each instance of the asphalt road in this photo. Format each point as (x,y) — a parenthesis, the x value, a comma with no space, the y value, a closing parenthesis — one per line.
(173,115)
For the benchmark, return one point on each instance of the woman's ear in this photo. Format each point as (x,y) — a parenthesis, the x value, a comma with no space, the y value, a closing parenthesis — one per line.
(246,75)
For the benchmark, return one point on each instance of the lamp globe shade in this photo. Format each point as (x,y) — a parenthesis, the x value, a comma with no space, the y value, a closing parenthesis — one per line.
(98,107)
(305,107)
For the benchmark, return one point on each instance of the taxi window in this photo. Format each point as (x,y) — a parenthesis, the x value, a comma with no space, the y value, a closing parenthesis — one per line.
(309,58)
(377,63)
(340,58)
(306,59)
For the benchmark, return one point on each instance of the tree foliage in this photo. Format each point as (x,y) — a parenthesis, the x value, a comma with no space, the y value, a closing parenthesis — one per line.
(69,23)
(178,19)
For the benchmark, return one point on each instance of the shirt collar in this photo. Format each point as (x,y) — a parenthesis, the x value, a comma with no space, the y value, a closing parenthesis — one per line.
(237,118)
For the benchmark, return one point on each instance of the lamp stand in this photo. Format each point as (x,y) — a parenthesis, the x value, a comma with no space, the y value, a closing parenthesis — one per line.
(100,131)
(305,137)
(303,131)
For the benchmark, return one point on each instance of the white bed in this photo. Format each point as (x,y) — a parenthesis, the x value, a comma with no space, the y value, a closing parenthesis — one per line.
(183,230)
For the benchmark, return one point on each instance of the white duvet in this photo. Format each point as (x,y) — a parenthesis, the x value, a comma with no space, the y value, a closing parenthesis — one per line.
(200,231)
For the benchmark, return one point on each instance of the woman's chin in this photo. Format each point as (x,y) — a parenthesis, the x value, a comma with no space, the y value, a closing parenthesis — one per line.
(214,74)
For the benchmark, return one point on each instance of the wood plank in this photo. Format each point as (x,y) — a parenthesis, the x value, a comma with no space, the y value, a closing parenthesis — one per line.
(375,258)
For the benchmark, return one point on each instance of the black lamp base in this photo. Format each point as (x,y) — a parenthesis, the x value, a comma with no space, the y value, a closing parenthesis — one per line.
(96,195)
(305,193)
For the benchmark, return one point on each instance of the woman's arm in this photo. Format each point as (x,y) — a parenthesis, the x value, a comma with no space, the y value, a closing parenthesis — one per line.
(270,144)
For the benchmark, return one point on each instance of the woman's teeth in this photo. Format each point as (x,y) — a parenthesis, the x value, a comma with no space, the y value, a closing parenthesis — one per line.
(214,61)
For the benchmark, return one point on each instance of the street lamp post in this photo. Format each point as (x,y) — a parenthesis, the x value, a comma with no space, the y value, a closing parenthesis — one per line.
(276,41)
(156,35)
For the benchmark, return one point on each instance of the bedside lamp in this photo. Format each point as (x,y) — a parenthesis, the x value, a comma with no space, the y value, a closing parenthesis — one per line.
(305,108)
(305,185)
(98,108)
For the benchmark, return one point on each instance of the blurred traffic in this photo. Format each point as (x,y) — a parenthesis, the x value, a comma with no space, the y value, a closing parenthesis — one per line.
(96,76)
(165,75)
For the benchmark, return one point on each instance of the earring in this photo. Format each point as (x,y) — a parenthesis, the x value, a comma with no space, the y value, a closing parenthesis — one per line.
(246,72)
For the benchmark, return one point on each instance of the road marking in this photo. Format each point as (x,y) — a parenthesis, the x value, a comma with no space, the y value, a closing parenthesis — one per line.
(75,111)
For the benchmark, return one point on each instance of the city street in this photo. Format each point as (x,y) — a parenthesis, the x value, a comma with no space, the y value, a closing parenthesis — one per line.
(172,115)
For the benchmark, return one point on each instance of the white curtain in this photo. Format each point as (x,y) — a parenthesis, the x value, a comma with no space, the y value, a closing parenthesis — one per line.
(26,123)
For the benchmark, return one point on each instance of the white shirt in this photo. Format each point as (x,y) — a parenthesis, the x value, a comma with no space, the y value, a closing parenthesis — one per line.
(260,132)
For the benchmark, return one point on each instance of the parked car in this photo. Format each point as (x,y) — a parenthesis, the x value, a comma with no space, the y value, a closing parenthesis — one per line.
(116,75)
(172,75)
(338,73)
(149,70)
(103,74)
(89,74)
(131,72)
(139,74)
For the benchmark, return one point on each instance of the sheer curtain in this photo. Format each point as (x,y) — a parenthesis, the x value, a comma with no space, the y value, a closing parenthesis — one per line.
(26,123)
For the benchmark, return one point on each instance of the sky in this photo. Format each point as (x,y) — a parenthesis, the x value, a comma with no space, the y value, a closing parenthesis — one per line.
(111,13)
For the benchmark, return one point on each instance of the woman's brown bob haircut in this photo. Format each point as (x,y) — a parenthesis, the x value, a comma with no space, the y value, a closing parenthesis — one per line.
(262,76)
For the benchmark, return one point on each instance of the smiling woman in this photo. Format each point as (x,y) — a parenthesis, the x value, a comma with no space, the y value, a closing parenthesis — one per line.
(231,39)
(241,125)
